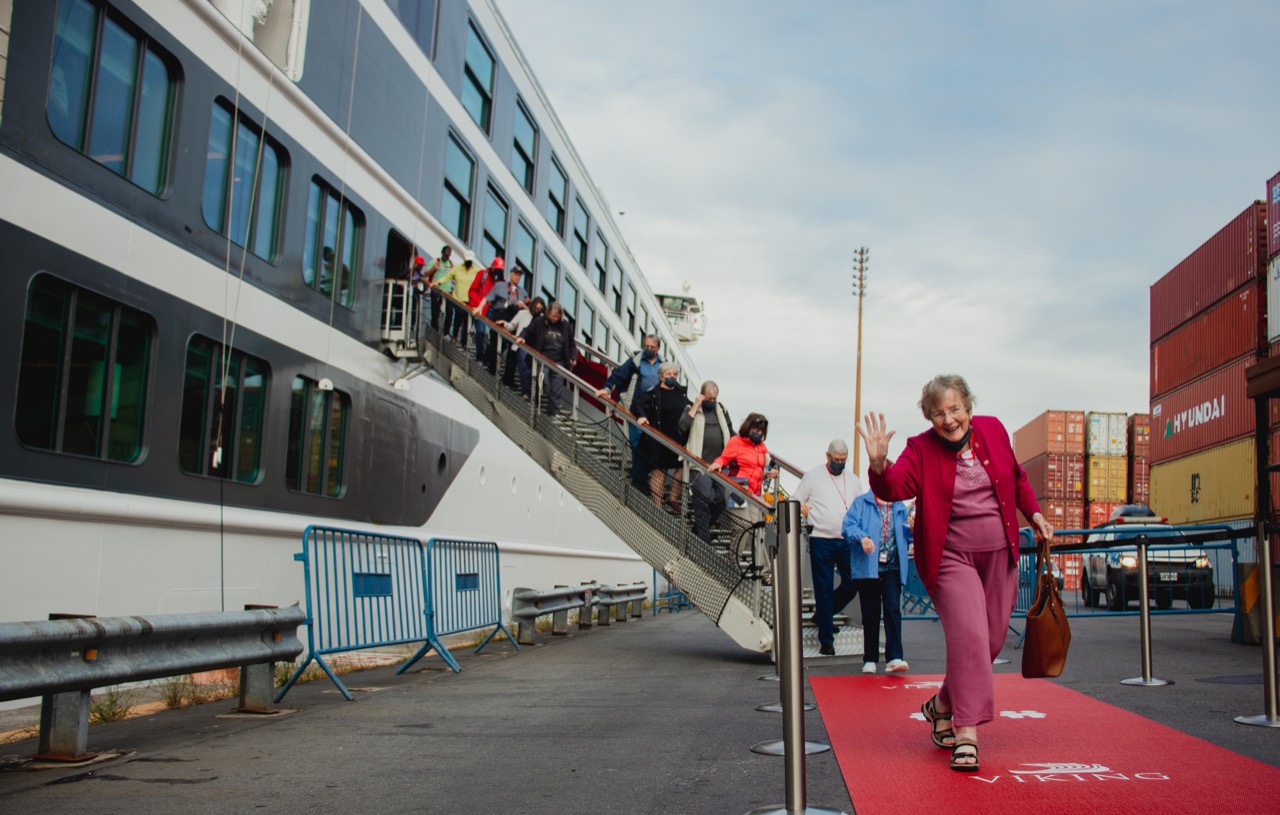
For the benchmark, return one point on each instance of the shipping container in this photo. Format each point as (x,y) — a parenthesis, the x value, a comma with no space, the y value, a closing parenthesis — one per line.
(1070,566)
(1099,512)
(1215,484)
(1106,478)
(1273,299)
(1106,434)
(1056,475)
(1219,266)
(1140,480)
(1061,514)
(1138,432)
(1054,431)
(1273,215)
(1211,411)
(1227,331)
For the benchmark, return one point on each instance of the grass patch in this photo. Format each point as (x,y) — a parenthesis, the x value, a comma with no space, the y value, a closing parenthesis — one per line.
(110,705)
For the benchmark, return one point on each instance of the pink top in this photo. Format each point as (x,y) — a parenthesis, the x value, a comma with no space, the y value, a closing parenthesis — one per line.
(975,513)
(927,471)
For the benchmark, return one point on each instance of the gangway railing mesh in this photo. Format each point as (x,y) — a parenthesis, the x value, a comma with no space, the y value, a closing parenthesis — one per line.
(716,552)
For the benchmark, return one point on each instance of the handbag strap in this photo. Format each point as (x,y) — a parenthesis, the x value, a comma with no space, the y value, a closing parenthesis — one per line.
(1042,557)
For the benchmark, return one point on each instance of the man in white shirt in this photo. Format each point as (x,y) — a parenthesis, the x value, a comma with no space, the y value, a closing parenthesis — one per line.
(825,494)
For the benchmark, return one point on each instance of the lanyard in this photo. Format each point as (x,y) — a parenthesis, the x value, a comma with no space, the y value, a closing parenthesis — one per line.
(840,489)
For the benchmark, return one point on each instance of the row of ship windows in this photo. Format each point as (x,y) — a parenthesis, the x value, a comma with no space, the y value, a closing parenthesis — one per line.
(112,96)
(82,390)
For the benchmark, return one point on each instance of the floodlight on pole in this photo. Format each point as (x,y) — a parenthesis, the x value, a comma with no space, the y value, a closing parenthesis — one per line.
(861,260)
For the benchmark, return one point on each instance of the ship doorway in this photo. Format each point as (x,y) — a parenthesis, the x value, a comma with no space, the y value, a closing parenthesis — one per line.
(400,253)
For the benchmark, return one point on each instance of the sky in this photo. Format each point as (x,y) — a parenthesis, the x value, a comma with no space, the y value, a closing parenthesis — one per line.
(1020,172)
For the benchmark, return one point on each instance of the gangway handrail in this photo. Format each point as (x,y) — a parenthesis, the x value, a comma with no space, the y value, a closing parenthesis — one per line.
(63,660)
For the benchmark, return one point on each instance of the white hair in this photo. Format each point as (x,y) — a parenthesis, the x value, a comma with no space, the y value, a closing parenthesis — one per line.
(837,447)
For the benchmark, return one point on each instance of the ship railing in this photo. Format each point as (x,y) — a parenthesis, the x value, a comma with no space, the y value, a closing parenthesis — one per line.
(64,658)
(544,407)
(370,590)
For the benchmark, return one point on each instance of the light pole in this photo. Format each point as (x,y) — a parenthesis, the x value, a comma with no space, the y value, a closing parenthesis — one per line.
(861,259)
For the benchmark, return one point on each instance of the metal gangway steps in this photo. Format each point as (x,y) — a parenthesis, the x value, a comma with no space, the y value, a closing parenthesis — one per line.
(724,571)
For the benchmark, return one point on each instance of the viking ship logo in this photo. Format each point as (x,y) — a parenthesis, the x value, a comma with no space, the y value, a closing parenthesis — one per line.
(1062,768)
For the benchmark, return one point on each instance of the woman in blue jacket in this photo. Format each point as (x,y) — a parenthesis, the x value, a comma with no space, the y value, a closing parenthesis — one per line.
(879,531)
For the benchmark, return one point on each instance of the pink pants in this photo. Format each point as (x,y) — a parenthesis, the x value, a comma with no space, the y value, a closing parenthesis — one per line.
(974,597)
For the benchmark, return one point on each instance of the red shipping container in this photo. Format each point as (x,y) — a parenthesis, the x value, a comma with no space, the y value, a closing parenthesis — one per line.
(1099,512)
(1234,327)
(1208,412)
(1139,430)
(1061,514)
(1056,475)
(1273,214)
(1222,264)
(1140,480)
(1054,431)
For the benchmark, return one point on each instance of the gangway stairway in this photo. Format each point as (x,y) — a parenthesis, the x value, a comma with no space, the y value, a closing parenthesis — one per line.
(585,448)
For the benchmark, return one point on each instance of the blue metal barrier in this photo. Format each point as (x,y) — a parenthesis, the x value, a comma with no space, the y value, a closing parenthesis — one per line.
(363,590)
(464,593)
(916,603)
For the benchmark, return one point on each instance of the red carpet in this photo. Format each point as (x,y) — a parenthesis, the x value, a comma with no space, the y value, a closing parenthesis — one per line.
(1050,750)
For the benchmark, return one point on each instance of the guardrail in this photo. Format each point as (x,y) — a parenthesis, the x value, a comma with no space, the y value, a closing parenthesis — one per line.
(620,602)
(64,659)
(369,590)
(613,602)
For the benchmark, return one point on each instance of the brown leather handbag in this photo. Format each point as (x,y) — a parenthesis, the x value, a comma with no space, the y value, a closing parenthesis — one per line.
(1048,634)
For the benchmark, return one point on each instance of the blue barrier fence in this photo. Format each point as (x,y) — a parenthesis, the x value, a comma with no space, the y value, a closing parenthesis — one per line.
(367,590)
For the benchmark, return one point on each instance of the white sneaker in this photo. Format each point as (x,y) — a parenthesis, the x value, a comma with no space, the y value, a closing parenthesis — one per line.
(868,667)
(896,666)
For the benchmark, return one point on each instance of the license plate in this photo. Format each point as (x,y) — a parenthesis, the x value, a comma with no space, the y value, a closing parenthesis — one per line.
(1168,577)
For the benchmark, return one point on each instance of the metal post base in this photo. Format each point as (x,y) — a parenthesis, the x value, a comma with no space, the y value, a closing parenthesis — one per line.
(778,748)
(1146,683)
(779,809)
(776,707)
(769,678)
(1261,720)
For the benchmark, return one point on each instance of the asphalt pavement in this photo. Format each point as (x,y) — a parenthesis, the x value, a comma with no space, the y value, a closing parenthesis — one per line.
(652,716)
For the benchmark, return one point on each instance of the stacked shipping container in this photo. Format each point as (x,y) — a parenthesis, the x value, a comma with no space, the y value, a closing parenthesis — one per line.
(1208,324)
(1139,435)
(1051,449)
(1106,465)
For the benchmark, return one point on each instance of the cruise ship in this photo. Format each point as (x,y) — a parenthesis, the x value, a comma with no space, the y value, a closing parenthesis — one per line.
(203,203)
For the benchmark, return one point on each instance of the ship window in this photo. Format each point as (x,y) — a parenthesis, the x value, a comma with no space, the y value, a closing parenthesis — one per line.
(526,251)
(459,171)
(604,338)
(631,308)
(418,17)
(569,298)
(547,278)
(317,430)
(477,83)
(223,408)
(645,328)
(557,194)
(495,228)
(581,229)
(524,148)
(602,263)
(587,326)
(331,254)
(616,291)
(615,347)
(242,197)
(111,94)
(67,402)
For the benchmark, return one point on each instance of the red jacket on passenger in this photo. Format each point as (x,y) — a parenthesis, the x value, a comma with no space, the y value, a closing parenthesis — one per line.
(751,460)
(480,288)
(926,470)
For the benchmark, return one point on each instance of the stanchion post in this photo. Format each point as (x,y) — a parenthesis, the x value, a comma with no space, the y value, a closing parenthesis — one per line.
(786,585)
(1144,621)
(1268,717)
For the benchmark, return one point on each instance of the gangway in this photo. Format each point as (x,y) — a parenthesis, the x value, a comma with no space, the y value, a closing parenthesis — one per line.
(724,574)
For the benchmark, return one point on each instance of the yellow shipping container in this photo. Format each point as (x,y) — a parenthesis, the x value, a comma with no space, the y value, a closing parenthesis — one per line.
(1213,485)
(1106,478)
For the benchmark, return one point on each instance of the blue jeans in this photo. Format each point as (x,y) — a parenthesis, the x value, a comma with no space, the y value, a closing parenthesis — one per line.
(891,597)
(827,556)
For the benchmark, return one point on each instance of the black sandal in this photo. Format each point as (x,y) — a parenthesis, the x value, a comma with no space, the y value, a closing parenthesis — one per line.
(945,738)
(963,751)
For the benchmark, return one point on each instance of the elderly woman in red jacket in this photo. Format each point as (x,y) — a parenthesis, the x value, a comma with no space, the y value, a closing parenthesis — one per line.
(969,486)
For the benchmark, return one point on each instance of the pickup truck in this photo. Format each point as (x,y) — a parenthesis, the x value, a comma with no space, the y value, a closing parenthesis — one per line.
(1172,574)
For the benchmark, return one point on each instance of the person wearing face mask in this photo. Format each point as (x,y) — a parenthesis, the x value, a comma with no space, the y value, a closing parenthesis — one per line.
(825,494)
(630,381)
(552,336)
(969,487)
(660,409)
(708,427)
(745,457)
(517,362)
(878,530)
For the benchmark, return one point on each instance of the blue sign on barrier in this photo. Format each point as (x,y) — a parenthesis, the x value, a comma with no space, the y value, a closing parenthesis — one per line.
(365,590)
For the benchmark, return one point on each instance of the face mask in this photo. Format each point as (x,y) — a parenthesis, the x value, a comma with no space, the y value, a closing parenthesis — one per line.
(957,446)
(671,382)
(708,404)
(650,354)
(756,436)
(836,467)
